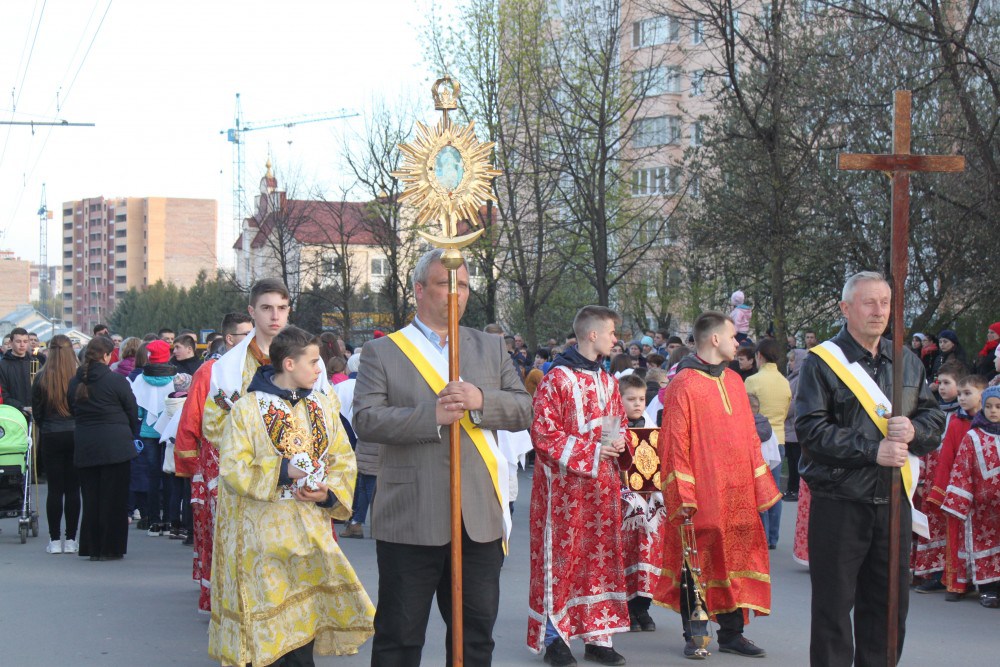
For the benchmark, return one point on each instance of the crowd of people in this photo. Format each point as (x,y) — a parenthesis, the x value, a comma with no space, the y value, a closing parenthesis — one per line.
(250,446)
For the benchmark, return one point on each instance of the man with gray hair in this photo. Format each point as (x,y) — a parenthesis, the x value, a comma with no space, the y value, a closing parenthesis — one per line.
(849,445)
(404,402)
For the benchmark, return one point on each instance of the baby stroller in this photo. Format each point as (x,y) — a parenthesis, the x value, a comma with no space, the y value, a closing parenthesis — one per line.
(15,455)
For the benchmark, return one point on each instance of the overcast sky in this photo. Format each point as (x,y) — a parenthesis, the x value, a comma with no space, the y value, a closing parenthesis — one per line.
(160,80)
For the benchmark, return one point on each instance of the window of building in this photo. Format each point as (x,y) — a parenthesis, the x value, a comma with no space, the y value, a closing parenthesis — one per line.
(653,181)
(67,212)
(68,225)
(694,189)
(380,266)
(67,254)
(120,264)
(697,82)
(120,248)
(696,133)
(120,280)
(120,233)
(654,31)
(651,82)
(120,217)
(697,32)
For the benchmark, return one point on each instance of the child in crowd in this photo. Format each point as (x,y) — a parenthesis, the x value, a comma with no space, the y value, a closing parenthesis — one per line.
(643,517)
(927,558)
(973,495)
(741,314)
(955,576)
(281,587)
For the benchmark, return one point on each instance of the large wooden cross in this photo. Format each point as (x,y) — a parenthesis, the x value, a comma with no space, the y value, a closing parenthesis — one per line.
(898,165)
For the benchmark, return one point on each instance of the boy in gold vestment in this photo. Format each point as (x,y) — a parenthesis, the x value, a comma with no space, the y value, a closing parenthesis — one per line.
(281,587)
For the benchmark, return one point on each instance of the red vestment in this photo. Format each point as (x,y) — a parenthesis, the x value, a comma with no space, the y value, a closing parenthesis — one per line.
(956,568)
(198,459)
(577,577)
(800,549)
(928,554)
(711,462)
(643,522)
(973,495)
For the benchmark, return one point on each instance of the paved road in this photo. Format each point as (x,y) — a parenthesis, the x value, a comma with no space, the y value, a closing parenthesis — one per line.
(60,610)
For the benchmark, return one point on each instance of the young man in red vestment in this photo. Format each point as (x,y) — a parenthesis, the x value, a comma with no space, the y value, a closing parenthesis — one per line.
(198,458)
(577,586)
(713,472)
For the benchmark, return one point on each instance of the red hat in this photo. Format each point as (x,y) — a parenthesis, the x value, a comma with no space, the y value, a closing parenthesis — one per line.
(377,334)
(159,351)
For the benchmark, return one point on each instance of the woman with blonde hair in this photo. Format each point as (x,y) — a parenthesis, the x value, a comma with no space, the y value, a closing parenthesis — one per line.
(55,425)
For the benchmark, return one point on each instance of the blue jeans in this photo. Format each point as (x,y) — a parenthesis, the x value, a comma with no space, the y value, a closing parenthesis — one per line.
(159,491)
(364,494)
(772,517)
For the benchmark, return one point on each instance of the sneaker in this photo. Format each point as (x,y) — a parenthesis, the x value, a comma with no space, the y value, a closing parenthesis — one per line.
(990,600)
(559,655)
(136,515)
(355,530)
(54,547)
(930,586)
(70,547)
(155,530)
(178,534)
(742,646)
(791,496)
(602,655)
(694,652)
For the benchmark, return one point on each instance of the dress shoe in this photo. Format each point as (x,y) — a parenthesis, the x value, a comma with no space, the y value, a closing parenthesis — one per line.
(559,655)
(355,530)
(742,646)
(602,655)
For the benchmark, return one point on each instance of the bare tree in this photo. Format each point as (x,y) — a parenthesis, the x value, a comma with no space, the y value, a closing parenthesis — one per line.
(594,118)
(372,158)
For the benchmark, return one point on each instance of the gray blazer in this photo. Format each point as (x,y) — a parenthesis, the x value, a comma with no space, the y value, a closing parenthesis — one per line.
(395,407)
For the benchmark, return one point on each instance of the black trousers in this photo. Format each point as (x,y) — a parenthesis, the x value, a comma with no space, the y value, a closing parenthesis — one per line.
(104,529)
(793,451)
(849,569)
(409,576)
(730,623)
(64,483)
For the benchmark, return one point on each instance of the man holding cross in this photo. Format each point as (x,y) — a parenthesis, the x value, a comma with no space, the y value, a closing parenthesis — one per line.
(849,446)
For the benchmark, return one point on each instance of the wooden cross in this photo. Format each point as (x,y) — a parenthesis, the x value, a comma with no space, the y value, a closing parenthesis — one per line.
(898,165)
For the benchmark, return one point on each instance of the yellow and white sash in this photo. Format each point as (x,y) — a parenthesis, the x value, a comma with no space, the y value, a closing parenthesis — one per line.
(432,365)
(879,408)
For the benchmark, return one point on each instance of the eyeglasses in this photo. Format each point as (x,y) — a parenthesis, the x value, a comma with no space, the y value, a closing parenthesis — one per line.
(245,333)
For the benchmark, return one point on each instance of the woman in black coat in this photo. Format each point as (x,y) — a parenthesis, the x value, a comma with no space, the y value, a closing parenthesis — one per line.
(106,414)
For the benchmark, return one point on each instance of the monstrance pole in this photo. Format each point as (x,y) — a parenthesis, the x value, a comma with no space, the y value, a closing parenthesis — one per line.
(898,166)
(448,176)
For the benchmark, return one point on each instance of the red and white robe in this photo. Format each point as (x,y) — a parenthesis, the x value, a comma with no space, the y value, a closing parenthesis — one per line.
(643,520)
(577,575)
(973,495)
(197,458)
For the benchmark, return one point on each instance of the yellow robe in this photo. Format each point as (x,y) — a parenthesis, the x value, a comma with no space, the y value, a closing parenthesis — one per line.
(213,422)
(279,580)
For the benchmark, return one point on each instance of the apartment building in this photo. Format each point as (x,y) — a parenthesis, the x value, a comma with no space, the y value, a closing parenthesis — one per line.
(111,245)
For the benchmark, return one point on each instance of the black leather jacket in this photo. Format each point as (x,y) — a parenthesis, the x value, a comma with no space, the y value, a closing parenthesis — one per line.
(839,441)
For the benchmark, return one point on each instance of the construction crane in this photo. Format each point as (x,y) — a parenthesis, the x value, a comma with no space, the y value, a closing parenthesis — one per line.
(234,135)
(44,215)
